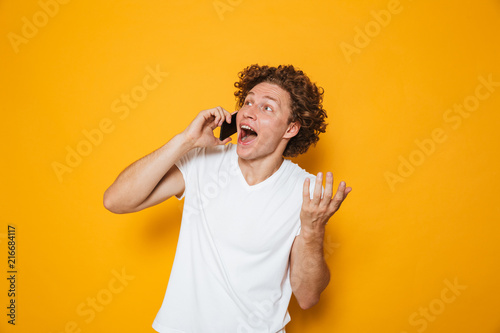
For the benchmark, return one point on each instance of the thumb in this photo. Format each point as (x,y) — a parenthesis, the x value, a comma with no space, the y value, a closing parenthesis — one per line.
(226,140)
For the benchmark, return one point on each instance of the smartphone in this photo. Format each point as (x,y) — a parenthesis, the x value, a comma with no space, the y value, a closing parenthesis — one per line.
(226,130)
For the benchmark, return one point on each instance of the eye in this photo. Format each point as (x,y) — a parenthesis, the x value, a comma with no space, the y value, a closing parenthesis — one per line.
(268,108)
(248,103)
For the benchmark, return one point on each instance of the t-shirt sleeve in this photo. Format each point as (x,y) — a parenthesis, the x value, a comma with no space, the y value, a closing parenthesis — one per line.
(298,231)
(185,165)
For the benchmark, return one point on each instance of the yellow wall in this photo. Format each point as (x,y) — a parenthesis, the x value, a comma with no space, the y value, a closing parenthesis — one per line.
(422,216)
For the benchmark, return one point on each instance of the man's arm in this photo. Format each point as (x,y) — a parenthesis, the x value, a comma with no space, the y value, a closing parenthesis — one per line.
(155,178)
(309,273)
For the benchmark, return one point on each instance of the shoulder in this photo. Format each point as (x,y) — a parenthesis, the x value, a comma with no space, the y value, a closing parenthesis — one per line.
(205,158)
(211,153)
(218,154)
(296,172)
(298,175)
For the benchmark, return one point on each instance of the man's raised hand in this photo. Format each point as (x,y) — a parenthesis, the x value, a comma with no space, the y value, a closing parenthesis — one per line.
(200,132)
(316,212)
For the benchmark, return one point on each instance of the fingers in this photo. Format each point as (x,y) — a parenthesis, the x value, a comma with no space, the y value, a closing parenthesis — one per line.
(230,117)
(325,199)
(318,188)
(220,115)
(347,191)
(306,197)
(327,195)
(339,196)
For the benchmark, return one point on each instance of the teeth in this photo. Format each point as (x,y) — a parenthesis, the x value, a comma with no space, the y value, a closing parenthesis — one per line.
(247,128)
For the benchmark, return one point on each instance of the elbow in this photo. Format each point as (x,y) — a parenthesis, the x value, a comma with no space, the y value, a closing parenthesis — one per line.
(110,204)
(308,303)
(309,296)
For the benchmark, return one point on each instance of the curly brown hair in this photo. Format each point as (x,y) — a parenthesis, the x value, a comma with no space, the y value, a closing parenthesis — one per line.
(306,101)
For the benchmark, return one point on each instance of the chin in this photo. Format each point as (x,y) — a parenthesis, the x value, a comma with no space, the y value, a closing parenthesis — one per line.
(242,152)
(247,153)
(251,153)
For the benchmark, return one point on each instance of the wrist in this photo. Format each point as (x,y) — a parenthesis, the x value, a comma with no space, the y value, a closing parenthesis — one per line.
(186,142)
(174,149)
(313,238)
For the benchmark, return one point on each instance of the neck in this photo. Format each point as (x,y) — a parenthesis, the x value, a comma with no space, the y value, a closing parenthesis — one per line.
(256,171)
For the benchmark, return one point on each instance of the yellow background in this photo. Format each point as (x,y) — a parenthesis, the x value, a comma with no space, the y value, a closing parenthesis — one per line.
(392,249)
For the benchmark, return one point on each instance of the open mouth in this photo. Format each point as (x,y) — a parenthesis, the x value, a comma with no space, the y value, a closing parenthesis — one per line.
(247,134)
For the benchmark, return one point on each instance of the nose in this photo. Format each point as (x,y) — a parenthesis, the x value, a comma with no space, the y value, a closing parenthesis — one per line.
(249,111)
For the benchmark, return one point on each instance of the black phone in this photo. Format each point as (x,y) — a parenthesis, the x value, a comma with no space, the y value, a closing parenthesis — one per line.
(226,130)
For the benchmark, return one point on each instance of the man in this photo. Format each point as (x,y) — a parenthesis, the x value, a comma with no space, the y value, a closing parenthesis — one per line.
(253,224)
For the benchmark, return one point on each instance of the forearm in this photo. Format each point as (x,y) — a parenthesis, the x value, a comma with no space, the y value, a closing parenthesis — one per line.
(134,184)
(308,269)
(310,274)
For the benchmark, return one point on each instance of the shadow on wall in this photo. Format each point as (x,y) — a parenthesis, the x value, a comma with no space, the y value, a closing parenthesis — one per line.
(163,226)
(311,161)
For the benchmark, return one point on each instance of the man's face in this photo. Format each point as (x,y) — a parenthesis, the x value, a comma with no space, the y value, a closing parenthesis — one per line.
(262,122)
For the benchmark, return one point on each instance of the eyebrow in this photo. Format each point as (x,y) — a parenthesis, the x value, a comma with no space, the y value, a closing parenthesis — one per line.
(268,97)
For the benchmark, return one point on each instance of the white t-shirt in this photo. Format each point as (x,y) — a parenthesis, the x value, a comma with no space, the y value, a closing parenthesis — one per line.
(231,268)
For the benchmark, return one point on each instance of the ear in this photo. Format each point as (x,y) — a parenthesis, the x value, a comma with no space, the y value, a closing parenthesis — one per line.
(292,130)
